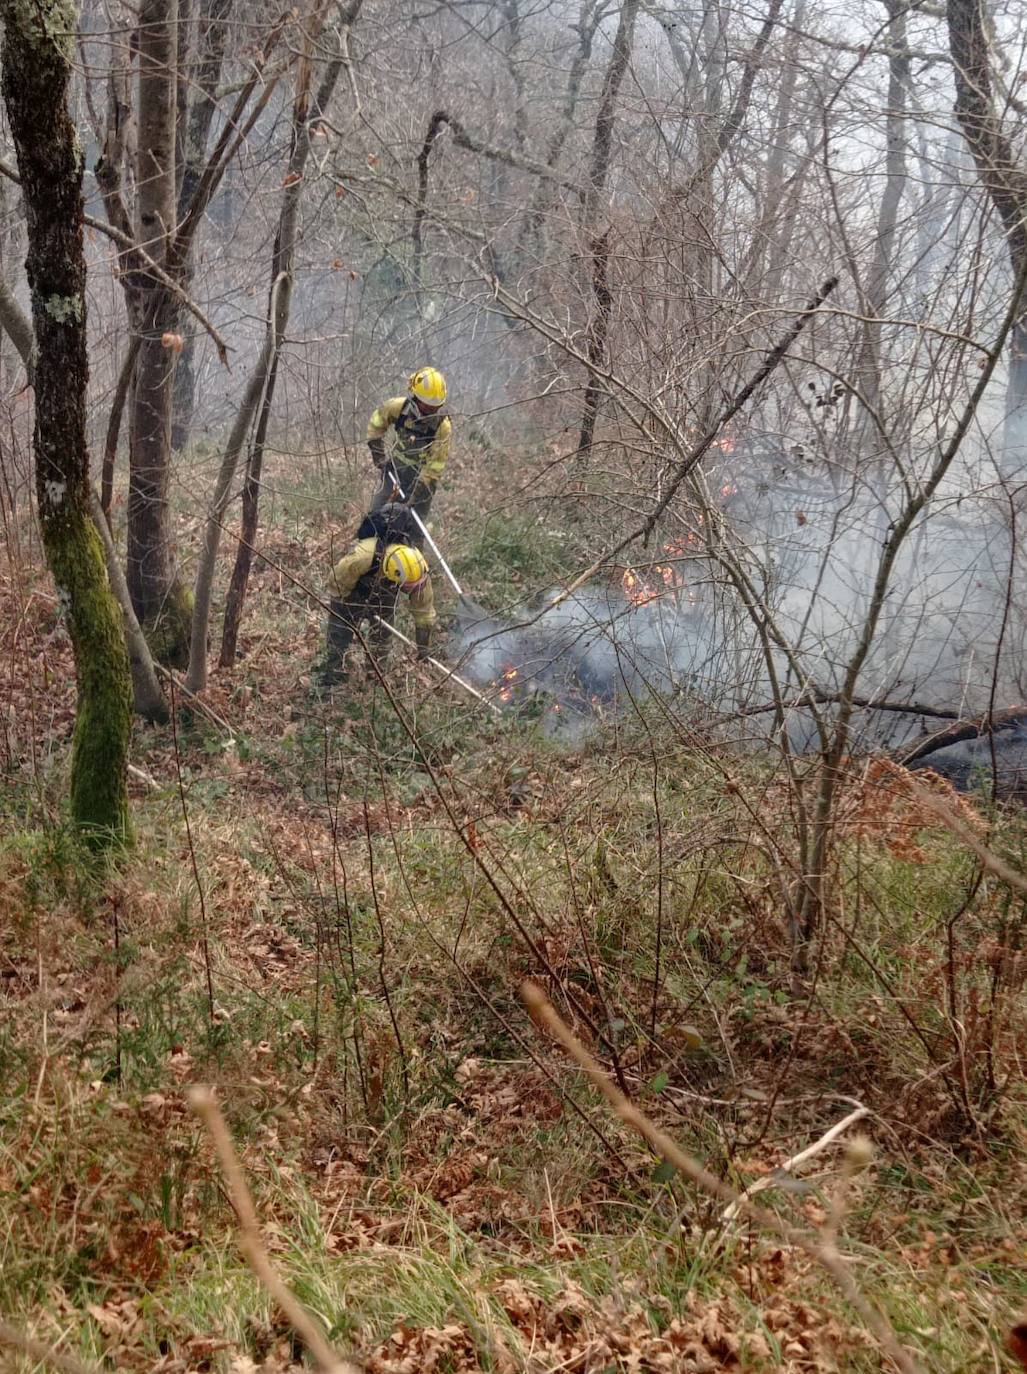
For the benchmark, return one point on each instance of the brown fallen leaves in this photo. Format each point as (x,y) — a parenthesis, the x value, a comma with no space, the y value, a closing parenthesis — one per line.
(573,1332)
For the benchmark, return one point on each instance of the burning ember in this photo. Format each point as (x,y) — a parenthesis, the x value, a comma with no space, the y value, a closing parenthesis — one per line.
(640,590)
(506,683)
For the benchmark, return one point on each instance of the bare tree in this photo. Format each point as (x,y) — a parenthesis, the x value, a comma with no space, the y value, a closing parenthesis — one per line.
(159,598)
(154,294)
(197,104)
(1005,180)
(600,301)
(258,398)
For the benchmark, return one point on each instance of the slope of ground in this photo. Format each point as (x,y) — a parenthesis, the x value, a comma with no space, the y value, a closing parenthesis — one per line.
(327,914)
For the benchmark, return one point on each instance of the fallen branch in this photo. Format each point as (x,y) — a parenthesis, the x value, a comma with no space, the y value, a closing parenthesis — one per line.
(790,1165)
(814,696)
(823,1252)
(200,704)
(201,1099)
(961,730)
(963,832)
(141,775)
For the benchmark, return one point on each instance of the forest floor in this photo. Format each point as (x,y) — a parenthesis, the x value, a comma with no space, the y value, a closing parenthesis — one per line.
(327,914)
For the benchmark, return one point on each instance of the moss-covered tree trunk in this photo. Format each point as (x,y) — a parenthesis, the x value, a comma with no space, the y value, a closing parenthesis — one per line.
(38,48)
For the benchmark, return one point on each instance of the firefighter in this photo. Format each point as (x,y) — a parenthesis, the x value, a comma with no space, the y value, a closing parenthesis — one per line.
(421,447)
(384,559)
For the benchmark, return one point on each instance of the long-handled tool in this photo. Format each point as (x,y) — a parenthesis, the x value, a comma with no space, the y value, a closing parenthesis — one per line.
(441,667)
(471,606)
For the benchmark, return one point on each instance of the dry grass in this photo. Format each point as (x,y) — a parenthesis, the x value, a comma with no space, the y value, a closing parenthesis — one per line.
(439,1188)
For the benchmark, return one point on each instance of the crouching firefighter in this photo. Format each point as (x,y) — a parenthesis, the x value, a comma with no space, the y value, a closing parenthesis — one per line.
(384,559)
(421,448)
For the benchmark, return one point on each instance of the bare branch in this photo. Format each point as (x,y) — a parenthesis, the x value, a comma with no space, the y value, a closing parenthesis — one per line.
(790,1165)
(39,1350)
(544,1014)
(250,1243)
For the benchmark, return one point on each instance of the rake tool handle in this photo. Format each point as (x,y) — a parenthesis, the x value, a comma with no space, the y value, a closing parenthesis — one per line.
(441,667)
(424,530)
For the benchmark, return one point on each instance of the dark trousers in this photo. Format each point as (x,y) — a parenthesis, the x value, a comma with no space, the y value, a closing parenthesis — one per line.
(407,480)
(344,618)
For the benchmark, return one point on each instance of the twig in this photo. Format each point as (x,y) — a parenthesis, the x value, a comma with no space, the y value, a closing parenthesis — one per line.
(200,704)
(989,859)
(129,245)
(692,458)
(543,1013)
(790,1165)
(201,1099)
(39,1350)
(141,775)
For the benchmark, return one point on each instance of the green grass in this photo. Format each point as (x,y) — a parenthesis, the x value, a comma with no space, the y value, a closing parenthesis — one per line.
(414,1144)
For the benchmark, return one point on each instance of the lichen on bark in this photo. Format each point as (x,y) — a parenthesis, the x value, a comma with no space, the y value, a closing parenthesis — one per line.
(38,45)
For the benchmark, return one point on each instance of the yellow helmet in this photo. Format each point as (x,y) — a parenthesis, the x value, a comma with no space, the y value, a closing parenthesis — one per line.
(405,566)
(429,386)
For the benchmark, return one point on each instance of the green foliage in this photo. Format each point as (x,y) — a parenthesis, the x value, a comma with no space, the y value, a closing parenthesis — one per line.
(513,554)
(408,1155)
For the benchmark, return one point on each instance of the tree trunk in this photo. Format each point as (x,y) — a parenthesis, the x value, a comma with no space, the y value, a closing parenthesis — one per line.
(1005,180)
(194,133)
(37,63)
(282,263)
(876,295)
(599,243)
(147,697)
(15,322)
(161,603)
(764,274)
(588,20)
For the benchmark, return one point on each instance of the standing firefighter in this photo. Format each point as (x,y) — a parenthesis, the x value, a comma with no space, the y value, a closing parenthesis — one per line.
(423,431)
(384,559)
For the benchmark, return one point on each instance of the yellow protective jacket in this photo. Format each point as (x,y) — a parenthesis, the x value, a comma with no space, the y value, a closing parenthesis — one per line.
(358,562)
(422,441)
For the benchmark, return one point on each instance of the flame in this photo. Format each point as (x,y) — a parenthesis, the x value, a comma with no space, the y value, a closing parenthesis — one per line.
(728,489)
(506,683)
(641,590)
(638,591)
(726,444)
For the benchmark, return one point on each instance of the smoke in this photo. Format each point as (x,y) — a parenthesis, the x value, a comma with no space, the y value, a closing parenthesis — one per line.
(677,627)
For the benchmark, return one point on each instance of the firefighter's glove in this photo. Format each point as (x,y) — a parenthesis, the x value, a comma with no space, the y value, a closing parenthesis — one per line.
(422,638)
(378,455)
